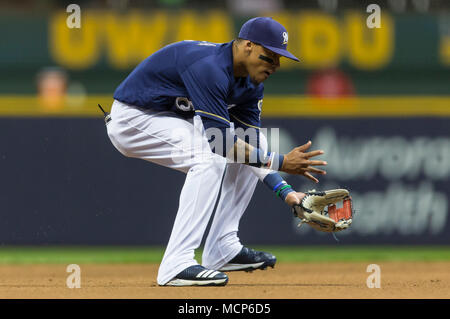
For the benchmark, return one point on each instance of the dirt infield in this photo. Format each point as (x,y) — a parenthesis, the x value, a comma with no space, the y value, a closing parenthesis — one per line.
(286,281)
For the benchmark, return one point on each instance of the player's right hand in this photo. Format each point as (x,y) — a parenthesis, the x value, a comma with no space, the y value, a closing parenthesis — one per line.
(299,162)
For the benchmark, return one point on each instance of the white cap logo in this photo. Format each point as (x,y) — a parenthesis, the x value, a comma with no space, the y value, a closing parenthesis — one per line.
(285,37)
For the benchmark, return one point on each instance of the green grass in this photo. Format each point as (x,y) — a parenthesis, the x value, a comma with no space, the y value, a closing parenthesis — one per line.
(107,255)
(362,253)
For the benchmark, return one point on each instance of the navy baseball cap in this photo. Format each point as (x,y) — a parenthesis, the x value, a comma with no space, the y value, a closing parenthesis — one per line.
(268,33)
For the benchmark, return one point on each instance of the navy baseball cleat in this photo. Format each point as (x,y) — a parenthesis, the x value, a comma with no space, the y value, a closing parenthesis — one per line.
(198,275)
(249,260)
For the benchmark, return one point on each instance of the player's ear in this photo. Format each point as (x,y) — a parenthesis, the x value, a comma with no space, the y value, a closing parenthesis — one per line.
(248,47)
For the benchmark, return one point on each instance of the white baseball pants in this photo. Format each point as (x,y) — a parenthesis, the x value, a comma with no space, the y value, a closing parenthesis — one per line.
(169,140)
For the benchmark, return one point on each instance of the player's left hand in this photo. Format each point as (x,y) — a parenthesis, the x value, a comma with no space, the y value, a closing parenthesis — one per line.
(311,210)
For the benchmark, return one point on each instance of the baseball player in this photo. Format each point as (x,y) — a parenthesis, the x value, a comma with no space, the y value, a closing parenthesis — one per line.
(195,106)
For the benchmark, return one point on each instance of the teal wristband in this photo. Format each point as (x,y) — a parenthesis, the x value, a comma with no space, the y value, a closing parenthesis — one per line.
(285,186)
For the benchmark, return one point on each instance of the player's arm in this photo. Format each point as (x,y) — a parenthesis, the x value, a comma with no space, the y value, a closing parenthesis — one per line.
(297,161)
(247,117)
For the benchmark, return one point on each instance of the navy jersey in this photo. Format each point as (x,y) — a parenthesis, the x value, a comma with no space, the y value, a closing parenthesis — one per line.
(194,77)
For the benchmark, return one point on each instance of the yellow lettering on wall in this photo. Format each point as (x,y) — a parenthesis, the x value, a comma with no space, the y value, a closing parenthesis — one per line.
(319,40)
(213,26)
(73,48)
(369,49)
(132,37)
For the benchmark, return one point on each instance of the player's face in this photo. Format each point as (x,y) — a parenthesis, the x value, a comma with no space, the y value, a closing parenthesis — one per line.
(261,63)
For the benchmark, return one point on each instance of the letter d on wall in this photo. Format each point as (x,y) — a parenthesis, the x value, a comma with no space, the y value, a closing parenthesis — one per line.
(74,279)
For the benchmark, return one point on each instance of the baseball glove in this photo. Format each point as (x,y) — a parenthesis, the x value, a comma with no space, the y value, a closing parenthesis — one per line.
(311,210)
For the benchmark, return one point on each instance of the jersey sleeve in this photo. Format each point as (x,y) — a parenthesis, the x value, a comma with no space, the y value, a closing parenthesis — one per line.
(247,117)
(248,113)
(207,85)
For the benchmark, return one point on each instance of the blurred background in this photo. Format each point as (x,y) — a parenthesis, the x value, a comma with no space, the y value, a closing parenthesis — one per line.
(376,99)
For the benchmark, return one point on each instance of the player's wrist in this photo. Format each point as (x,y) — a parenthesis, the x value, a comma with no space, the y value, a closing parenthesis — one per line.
(275,161)
(269,160)
(292,199)
(279,186)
